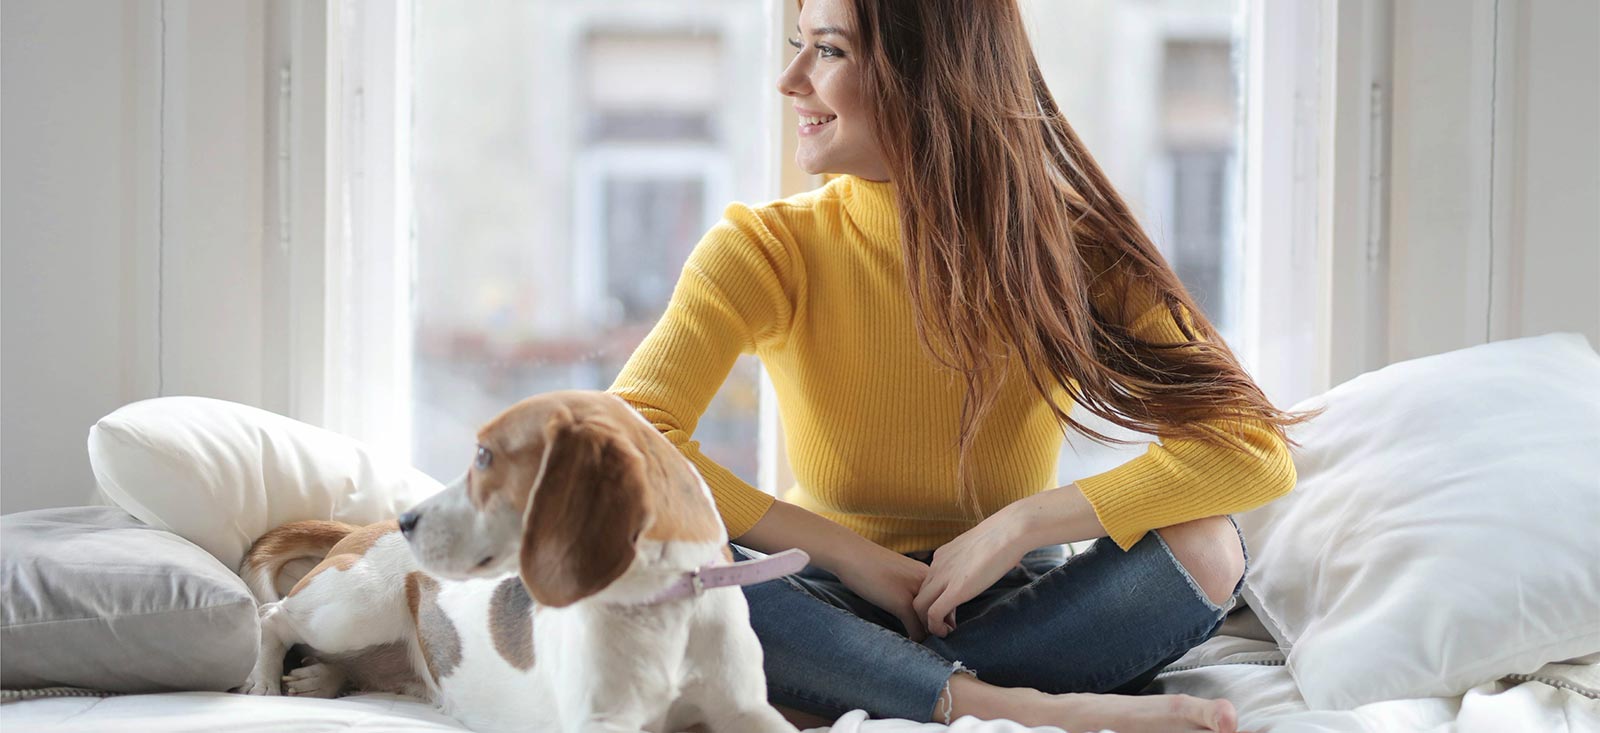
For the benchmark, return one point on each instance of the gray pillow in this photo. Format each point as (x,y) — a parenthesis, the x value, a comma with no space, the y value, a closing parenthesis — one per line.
(92,597)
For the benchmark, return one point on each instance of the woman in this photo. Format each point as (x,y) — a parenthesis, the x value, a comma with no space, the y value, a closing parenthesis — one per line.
(928,318)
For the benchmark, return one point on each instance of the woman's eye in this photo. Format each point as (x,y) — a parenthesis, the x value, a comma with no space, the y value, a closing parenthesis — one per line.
(824,50)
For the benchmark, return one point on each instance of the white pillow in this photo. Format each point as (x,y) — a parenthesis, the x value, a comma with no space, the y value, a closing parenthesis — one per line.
(1445,530)
(221,474)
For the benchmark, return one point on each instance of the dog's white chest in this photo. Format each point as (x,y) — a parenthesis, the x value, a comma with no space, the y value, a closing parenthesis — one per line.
(517,660)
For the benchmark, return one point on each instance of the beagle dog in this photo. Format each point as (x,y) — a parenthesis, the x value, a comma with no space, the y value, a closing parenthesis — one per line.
(555,586)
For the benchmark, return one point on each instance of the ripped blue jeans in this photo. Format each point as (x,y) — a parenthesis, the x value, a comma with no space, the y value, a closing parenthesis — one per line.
(1100,621)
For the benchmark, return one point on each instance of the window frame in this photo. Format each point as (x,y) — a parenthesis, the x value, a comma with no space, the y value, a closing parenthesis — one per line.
(1281,180)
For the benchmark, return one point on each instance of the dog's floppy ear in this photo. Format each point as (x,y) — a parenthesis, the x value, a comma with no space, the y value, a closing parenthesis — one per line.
(586,513)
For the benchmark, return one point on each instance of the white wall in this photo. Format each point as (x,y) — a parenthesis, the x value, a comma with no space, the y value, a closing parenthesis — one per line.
(1495,208)
(131,257)
(1554,140)
(79,139)
(1553,280)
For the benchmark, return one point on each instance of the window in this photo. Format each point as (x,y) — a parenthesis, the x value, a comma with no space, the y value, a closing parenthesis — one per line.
(1199,131)
(555,162)
(567,157)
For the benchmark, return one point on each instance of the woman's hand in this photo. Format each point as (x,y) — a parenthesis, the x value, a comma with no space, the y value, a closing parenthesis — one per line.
(968,565)
(888,580)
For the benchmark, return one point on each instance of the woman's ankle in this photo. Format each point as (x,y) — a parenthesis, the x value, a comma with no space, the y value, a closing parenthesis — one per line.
(964,694)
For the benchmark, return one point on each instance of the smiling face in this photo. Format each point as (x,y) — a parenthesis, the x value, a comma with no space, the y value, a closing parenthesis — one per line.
(823,81)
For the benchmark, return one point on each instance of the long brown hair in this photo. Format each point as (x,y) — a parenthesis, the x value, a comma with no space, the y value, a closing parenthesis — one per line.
(1017,247)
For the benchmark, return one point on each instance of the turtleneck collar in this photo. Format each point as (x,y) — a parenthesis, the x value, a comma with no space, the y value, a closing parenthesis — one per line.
(871,205)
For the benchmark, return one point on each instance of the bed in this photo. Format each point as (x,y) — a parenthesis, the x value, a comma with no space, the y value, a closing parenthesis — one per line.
(1250,672)
(1437,567)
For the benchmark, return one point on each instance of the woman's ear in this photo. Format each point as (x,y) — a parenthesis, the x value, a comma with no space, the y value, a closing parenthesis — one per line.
(586,512)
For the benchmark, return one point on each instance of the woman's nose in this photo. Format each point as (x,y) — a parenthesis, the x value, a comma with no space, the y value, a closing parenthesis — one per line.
(792,83)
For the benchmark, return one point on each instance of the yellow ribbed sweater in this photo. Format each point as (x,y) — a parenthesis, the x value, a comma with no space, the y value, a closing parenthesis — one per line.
(815,286)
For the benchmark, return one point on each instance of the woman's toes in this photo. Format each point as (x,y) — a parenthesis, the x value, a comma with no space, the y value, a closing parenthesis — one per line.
(1211,715)
(1227,717)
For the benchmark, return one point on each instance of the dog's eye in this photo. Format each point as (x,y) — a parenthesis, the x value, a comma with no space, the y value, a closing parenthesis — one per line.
(484,457)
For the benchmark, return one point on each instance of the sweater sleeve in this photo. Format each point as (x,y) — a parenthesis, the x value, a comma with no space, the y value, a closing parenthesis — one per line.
(736,290)
(1179,480)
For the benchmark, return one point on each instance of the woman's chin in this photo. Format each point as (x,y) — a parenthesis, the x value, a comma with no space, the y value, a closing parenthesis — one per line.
(809,165)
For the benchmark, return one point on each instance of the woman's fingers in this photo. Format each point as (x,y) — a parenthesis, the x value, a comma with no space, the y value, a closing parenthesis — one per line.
(932,586)
(934,605)
(915,631)
(904,609)
(941,616)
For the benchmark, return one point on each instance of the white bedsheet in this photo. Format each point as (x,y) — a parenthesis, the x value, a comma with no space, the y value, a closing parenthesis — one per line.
(1250,674)
(1566,699)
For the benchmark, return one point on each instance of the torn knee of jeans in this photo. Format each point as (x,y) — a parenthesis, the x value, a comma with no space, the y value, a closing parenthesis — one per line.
(947,700)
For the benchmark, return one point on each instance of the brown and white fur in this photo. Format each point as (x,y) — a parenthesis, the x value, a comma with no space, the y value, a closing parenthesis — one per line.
(510,601)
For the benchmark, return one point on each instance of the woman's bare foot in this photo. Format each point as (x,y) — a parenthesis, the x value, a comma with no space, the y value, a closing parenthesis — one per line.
(1142,713)
(1122,713)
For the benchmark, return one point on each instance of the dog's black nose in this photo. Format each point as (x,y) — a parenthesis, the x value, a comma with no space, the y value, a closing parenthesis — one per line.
(407,521)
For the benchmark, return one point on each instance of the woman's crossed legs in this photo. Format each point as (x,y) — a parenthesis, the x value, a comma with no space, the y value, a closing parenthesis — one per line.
(1027,649)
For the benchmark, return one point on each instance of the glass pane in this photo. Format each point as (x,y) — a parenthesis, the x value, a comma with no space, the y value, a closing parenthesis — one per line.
(651,224)
(566,159)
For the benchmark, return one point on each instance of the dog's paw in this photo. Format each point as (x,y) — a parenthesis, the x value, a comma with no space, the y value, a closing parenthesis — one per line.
(314,680)
(259,684)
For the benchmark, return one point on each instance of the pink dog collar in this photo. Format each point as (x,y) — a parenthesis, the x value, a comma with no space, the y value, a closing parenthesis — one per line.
(717,575)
